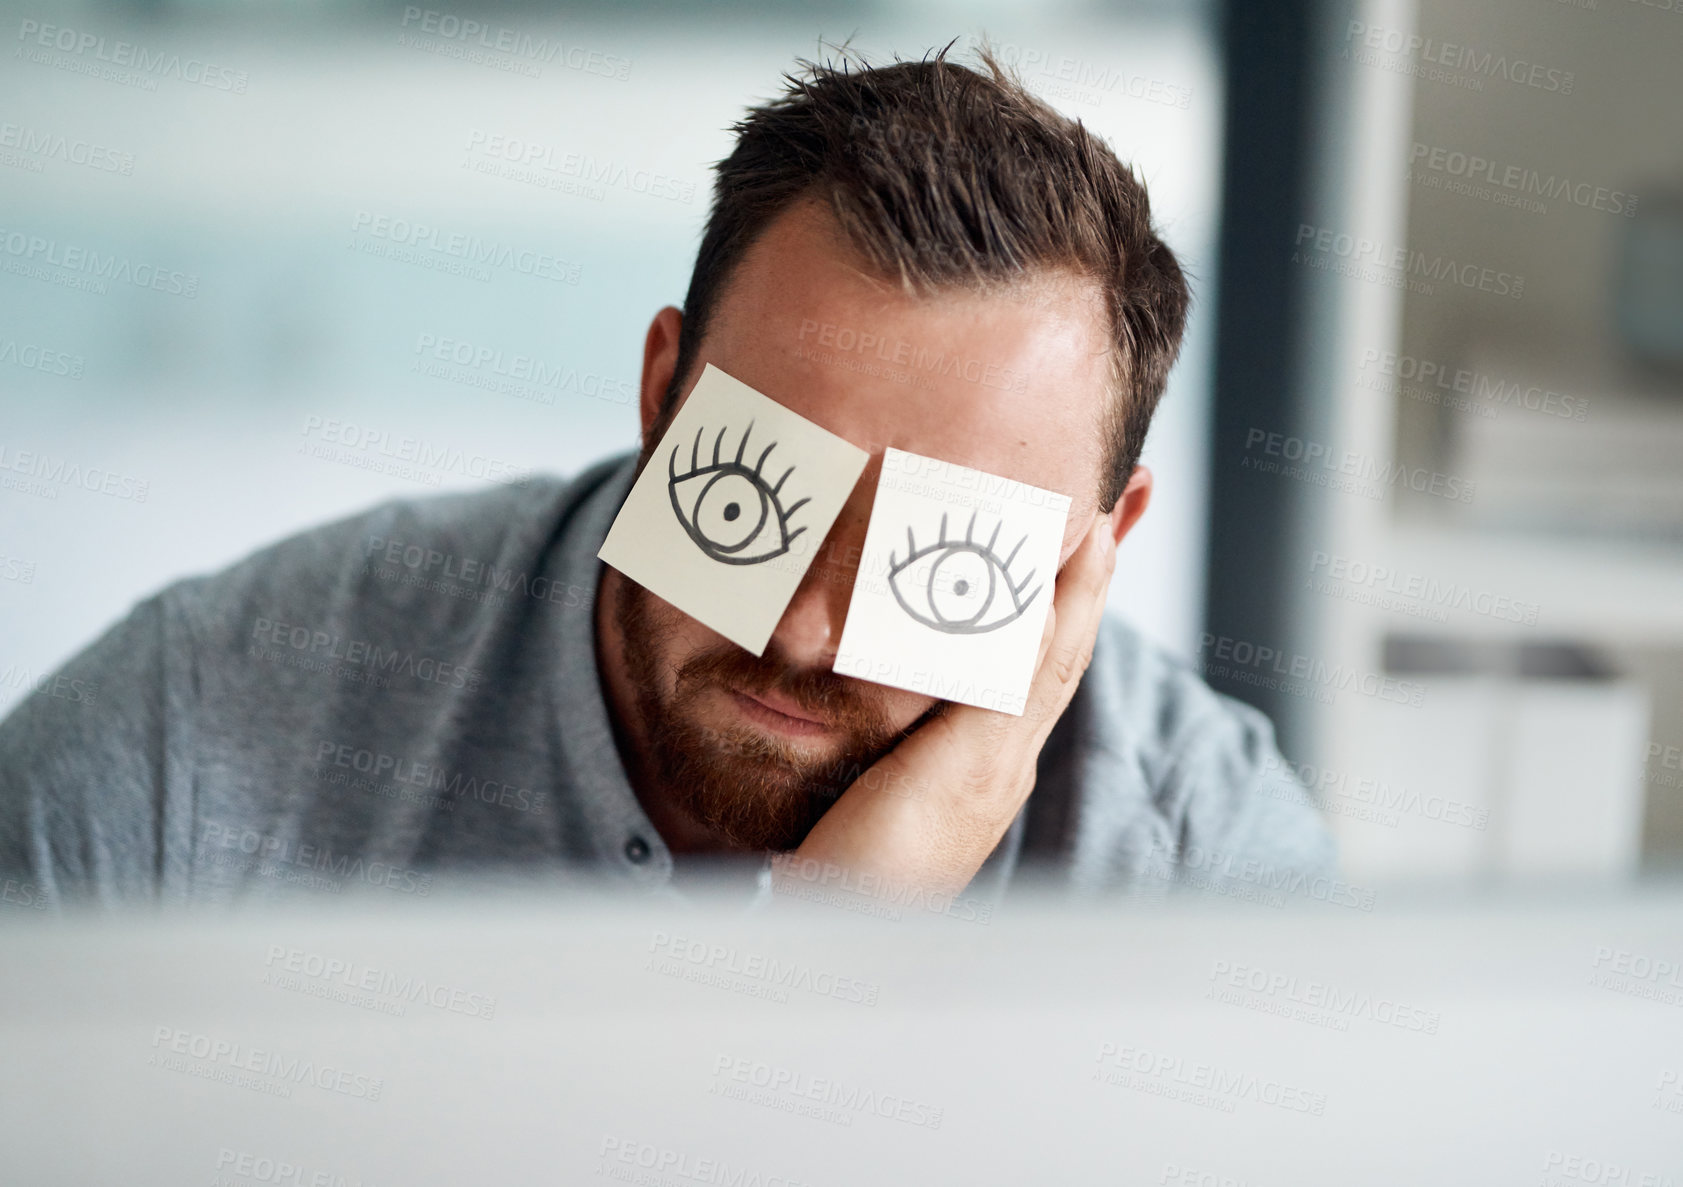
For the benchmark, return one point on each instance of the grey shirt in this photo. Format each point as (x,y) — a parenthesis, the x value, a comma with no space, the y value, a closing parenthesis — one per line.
(413,692)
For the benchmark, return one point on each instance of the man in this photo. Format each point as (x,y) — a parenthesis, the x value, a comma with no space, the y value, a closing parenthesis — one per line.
(457,684)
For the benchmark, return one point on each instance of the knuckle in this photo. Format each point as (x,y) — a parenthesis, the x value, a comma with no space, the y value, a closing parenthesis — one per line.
(1067,664)
(975,784)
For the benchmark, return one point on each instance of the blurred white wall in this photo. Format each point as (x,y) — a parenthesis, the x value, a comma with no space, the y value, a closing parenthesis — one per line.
(265,196)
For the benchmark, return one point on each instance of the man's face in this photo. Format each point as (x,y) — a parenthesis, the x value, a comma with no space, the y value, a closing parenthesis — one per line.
(1012,383)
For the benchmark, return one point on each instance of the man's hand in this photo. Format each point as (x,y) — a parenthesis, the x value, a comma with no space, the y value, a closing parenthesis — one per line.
(973,767)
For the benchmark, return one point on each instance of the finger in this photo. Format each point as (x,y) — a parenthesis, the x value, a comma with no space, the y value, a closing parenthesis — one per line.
(1071,624)
(1065,578)
(1047,634)
(1081,593)
(1077,611)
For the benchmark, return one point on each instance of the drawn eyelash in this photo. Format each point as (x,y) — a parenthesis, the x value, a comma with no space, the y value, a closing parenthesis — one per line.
(961,607)
(731,487)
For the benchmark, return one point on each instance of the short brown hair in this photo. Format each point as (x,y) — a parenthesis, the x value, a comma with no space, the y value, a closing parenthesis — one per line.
(944,176)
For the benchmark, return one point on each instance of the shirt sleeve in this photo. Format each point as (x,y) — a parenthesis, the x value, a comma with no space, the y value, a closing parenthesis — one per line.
(84,760)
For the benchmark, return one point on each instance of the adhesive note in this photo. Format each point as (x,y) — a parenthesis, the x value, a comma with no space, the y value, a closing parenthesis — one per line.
(732,507)
(955,579)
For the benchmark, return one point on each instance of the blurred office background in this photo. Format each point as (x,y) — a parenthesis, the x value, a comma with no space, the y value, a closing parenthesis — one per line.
(318,207)
(1461,226)
(1479,677)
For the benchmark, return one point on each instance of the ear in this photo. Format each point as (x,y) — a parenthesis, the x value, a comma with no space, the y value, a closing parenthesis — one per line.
(660,360)
(1136,497)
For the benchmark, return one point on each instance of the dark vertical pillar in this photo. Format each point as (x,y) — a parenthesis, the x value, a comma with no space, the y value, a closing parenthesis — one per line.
(1258,315)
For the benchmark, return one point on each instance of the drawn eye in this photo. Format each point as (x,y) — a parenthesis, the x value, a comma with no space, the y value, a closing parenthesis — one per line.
(954,584)
(727,508)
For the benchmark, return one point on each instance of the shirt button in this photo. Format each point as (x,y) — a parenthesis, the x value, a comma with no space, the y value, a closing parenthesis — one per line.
(637,850)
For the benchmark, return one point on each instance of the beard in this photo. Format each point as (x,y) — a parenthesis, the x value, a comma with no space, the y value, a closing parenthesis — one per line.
(757,791)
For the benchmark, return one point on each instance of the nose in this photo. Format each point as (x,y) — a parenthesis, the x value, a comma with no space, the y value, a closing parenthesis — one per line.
(810,630)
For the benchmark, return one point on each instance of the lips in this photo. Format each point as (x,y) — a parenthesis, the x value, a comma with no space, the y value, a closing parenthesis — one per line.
(778,703)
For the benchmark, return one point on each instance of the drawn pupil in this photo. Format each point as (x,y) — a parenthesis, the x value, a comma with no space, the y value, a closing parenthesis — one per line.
(960,556)
(710,518)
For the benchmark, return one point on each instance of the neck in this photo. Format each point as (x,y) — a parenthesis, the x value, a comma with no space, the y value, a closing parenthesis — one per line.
(631,733)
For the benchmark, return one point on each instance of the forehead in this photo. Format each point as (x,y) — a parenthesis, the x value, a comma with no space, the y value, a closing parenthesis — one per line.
(1013,381)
